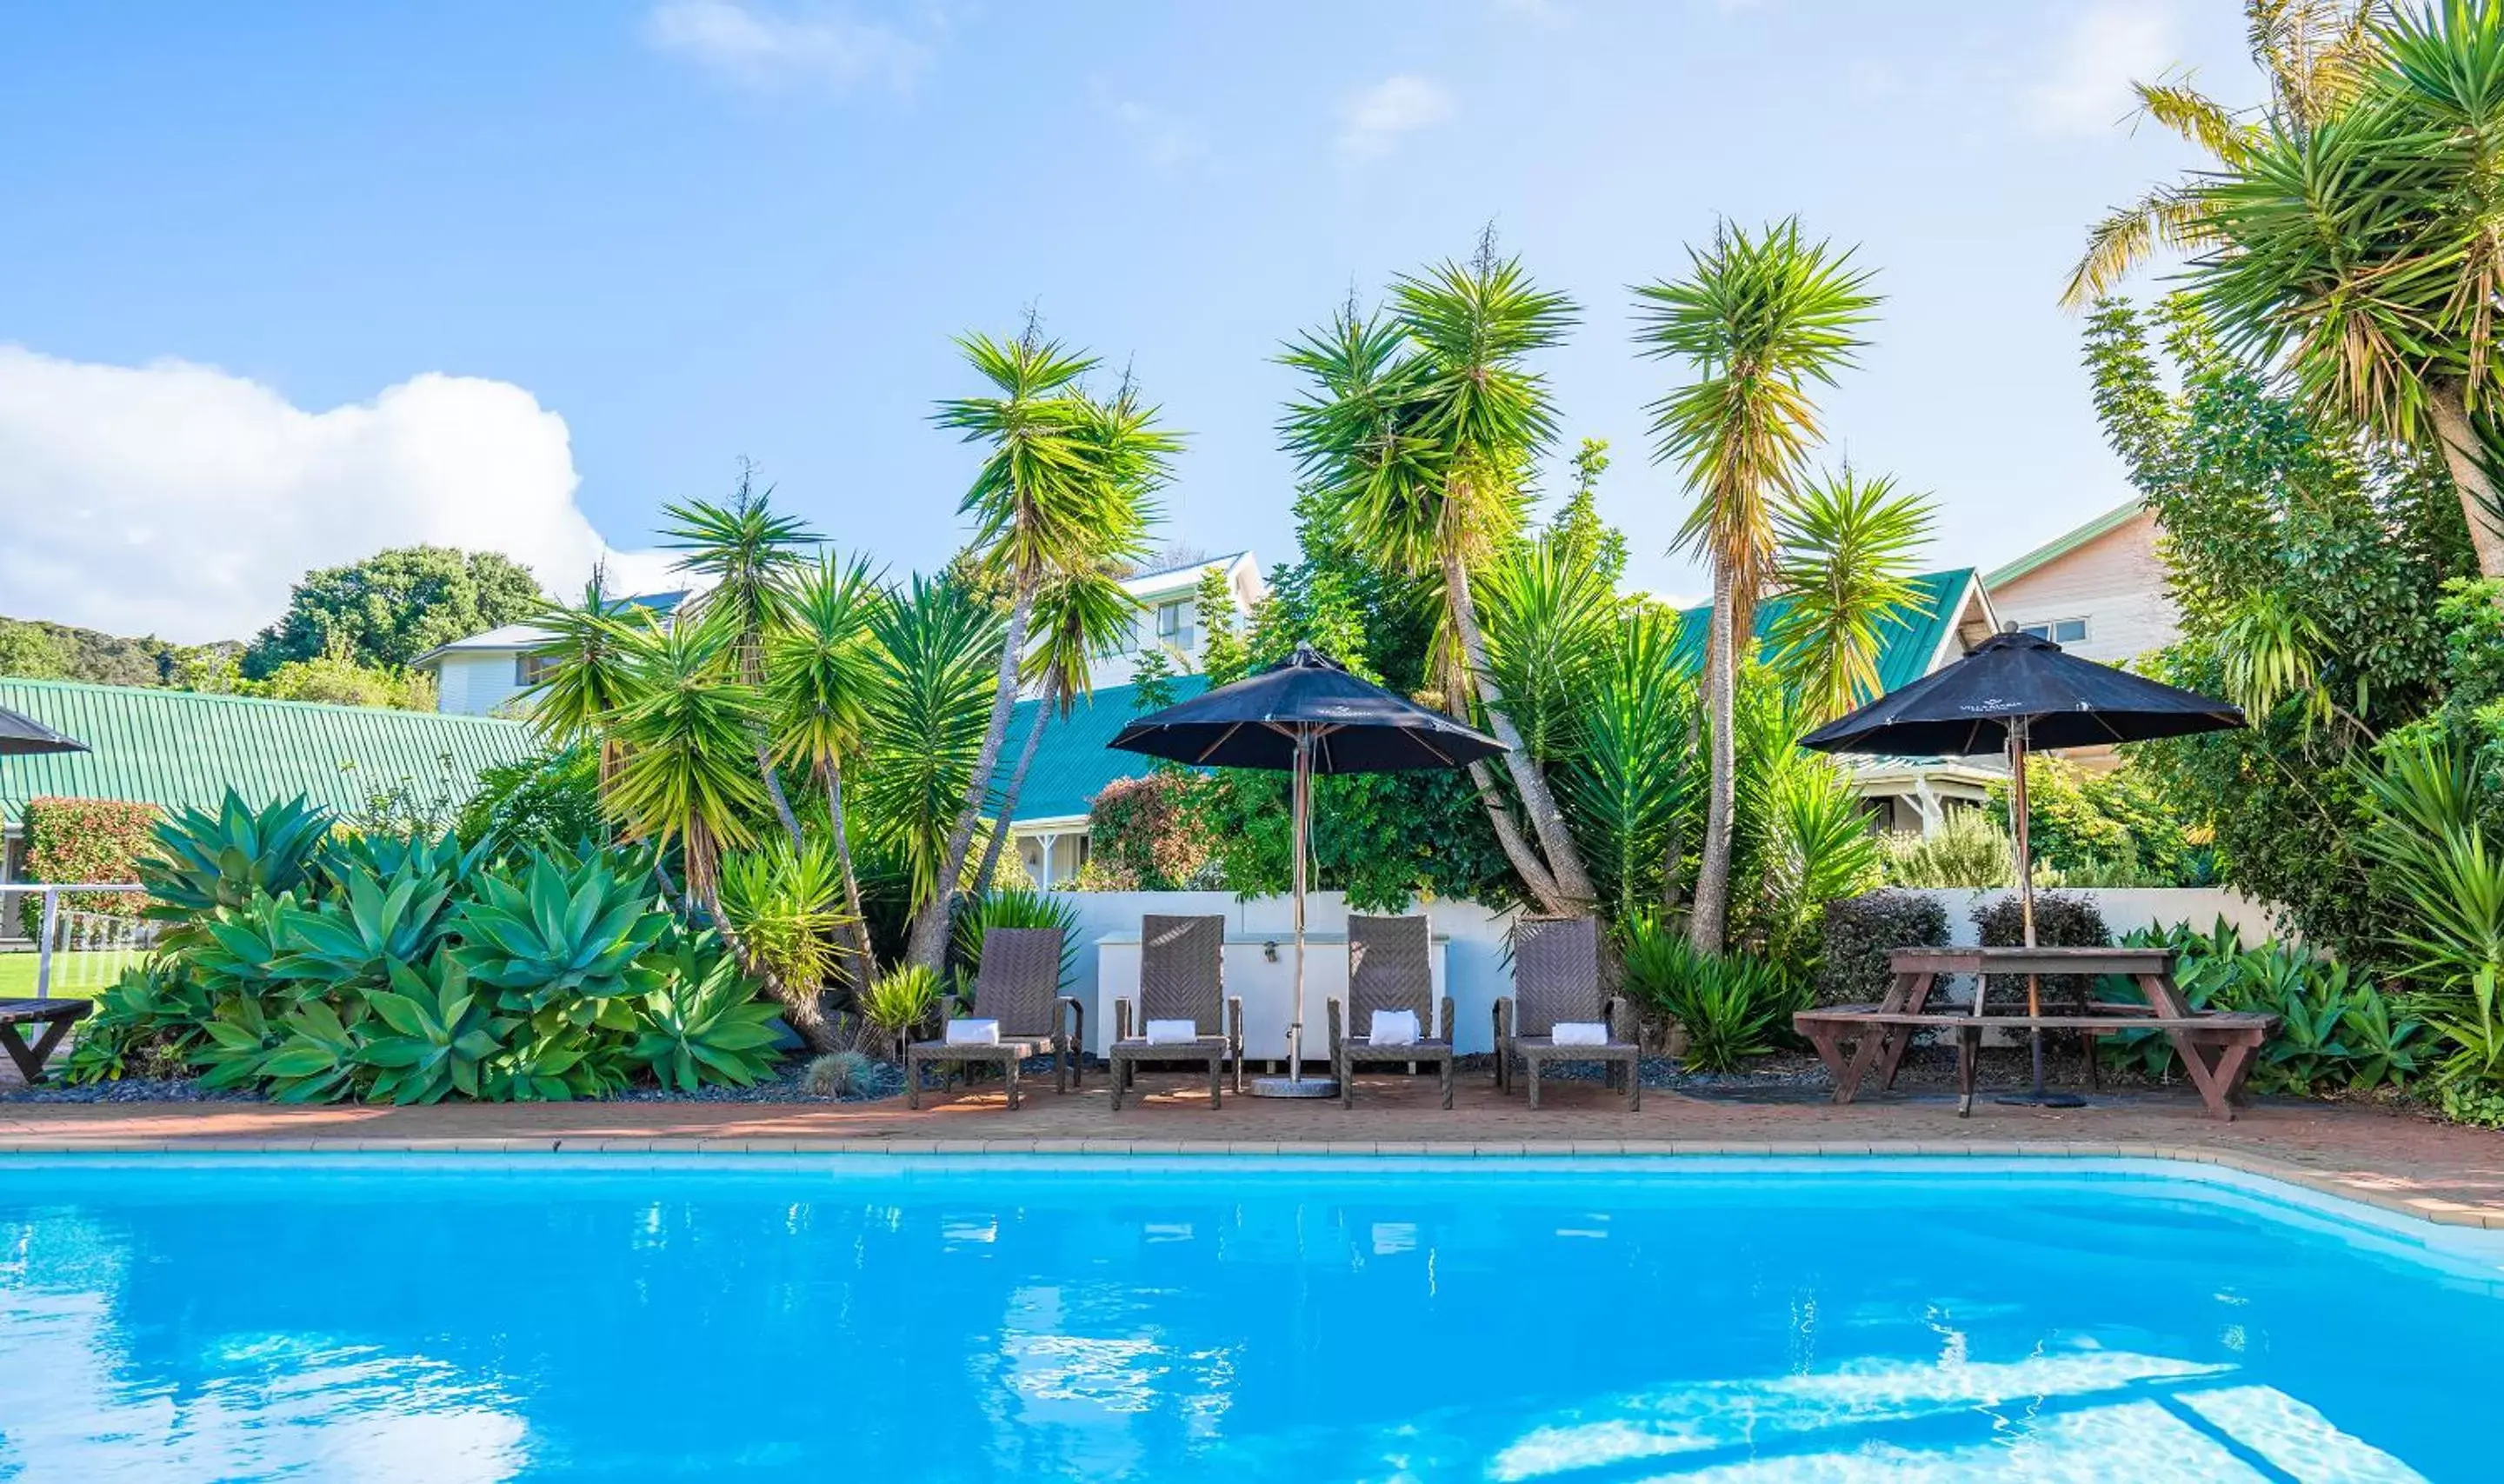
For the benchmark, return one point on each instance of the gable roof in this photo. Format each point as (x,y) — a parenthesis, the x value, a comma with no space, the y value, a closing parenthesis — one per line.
(2062,545)
(1911,645)
(178,750)
(1072,763)
(523,637)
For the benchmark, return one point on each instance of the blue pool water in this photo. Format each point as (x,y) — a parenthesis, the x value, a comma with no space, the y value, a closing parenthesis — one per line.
(448,1319)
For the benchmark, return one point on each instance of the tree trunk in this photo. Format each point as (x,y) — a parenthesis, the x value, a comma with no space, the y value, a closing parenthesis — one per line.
(1706,927)
(1570,884)
(927,945)
(1017,784)
(773,791)
(2481,501)
(1526,863)
(864,960)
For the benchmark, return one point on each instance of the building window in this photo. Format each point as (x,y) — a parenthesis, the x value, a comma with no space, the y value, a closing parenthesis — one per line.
(531,669)
(1174,626)
(2060,631)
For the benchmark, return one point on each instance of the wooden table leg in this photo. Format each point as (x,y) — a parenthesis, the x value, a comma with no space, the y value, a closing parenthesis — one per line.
(1908,993)
(1968,1051)
(30,1059)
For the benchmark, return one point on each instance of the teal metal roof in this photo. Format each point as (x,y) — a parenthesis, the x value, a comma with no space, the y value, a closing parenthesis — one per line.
(176,749)
(1073,763)
(1907,645)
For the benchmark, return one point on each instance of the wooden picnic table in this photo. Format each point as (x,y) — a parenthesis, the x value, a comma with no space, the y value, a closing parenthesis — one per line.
(2216,1047)
(54,1015)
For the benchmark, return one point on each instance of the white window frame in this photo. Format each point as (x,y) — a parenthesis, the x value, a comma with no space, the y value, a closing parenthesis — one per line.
(530,666)
(1179,637)
(2049,629)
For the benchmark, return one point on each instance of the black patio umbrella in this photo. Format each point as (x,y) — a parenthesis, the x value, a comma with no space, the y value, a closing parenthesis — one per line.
(23,736)
(1305,716)
(2011,693)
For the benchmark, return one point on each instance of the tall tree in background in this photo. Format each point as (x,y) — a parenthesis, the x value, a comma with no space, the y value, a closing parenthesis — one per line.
(1844,563)
(1079,616)
(395,605)
(2313,55)
(686,734)
(1581,536)
(2366,254)
(1761,319)
(752,556)
(1062,488)
(1421,427)
(823,674)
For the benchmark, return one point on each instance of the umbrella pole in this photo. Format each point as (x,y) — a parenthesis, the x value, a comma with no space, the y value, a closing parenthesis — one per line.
(2018,814)
(1303,823)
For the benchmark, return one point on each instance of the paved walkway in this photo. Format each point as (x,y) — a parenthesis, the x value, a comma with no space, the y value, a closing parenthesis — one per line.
(2394,1160)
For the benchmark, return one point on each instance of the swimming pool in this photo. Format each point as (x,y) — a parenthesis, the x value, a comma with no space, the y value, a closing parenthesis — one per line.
(453,1318)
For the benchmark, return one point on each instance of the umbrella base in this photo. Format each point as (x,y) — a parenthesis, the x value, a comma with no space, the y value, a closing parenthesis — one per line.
(1295,1087)
(2041,1100)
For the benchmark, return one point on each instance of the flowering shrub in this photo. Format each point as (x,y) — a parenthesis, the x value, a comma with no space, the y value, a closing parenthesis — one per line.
(85,840)
(1143,835)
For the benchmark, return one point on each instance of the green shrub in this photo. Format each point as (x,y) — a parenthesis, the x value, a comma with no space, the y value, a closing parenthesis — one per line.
(842,1075)
(199,861)
(1968,851)
(85,840)
(1731,1005)
(1015,909)
(1142,835)
(902,1002)
(1862,931)
(2062,921)
(542,803)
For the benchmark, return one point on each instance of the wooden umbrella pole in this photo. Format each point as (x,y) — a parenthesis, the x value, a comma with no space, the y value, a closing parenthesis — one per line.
(1303,812)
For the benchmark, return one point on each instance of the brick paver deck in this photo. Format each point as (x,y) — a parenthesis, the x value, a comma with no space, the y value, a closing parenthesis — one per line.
(2393,1160)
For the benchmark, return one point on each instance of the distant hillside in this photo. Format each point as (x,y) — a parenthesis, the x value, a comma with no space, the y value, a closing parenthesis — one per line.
(31,648)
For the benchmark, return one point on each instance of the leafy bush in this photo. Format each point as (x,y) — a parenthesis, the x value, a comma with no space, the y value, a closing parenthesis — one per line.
(405,970)
(85,840)
(902,1002)
(2111,823)
(1142,835)
(547,802)
(2336,1029)
(1731,1005)
(2062,921)
(1862,931)
(1968,849)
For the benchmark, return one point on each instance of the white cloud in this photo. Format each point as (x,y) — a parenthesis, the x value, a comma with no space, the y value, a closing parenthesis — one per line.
(2113,44)
(820,49)
(183,501)
(1165,141)
(1372,121)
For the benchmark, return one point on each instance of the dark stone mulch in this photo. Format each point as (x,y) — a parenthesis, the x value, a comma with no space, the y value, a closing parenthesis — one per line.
(132,1089)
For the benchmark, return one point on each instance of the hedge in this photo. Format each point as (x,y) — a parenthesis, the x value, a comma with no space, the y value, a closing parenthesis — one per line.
(85,840)
(1862,931)
(2062,921)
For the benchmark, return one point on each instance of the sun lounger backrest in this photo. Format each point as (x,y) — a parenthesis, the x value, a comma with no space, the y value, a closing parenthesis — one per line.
(1018,979)
(1555,972)
(1390,966)
(1181,971)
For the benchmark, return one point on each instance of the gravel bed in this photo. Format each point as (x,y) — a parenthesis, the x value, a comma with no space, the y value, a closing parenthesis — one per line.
(132,1089)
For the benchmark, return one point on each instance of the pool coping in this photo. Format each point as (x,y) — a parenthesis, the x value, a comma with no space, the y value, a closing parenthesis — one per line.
(2359,1188)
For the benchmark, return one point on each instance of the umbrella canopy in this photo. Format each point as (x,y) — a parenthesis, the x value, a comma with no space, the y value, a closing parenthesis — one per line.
(2014,692)
(1355,725)
(23,736)
(2063,702)
(1305,716)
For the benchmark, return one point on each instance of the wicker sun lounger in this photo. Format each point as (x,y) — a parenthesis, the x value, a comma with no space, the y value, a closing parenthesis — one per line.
(1017,984)
(1556,978)
(1182,977)
(1390,966)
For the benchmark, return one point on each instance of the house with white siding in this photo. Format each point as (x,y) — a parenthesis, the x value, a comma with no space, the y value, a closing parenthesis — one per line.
(485,673)
(2097,592)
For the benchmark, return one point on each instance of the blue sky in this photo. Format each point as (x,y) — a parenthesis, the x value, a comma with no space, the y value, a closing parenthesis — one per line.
(702,229)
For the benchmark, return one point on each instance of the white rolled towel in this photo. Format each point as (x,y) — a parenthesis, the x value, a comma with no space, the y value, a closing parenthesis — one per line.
(973,1033)
(1172,1032)
(1578,1033)
(1394,1027)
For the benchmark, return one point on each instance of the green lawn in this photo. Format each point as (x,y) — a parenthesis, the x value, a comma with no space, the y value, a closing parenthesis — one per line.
(80,975)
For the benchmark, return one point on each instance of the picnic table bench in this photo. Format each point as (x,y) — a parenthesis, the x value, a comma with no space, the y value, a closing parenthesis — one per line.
(57,1017)
(2216,1047)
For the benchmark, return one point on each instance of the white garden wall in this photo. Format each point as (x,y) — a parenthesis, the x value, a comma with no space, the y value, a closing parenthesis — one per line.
(2125,908)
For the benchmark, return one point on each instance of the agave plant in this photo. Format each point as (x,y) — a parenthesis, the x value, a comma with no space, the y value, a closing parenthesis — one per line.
(234,1042)
(550,1059)
(562,929)
(348,855)
(706,1025)
(373,922)
(249,949)
(204,861)
(434,1034)
(321,1059)
(154,1013)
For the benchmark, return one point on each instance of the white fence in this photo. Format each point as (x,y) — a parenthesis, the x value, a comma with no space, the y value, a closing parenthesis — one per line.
(1475,971)
(74,950)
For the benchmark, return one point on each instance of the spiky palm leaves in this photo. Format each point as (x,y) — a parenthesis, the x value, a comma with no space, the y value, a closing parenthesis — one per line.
(1763,319)
(935,648)
(1417,429)
(590,657)
(2367,251)
(2314,54)
(688,774)
(1065,485)
(1844,562)
(822,672)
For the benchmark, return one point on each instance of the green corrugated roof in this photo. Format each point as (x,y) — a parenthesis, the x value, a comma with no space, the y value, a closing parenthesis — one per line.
(1908,644)
(1072,764)
(176,749)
